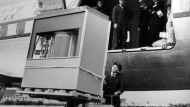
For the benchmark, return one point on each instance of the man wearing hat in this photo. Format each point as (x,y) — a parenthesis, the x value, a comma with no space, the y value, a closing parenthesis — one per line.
(113,87)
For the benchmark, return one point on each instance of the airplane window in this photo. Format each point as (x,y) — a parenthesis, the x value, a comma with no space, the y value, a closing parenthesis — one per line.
(20,28)
(4,30)
(28,26)
(12,28)
(72,3)
(55,44)
(0,31)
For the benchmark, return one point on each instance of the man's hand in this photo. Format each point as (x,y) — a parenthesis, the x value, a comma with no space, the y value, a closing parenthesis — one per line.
(115,25)
(117,93)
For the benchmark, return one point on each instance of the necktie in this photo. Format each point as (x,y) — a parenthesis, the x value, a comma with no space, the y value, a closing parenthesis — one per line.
(113,75)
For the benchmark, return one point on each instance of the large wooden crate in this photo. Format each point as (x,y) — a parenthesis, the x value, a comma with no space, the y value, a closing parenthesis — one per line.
(81,72)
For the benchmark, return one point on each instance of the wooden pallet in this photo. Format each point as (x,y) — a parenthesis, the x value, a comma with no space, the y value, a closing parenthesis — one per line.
(61,95)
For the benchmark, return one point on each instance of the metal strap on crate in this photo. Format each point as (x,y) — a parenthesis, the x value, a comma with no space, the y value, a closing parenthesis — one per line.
(90,72)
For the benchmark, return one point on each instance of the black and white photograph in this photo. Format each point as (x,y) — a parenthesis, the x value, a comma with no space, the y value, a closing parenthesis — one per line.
(94,53)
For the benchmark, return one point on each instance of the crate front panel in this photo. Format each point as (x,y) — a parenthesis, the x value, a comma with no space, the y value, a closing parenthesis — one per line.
(55,78)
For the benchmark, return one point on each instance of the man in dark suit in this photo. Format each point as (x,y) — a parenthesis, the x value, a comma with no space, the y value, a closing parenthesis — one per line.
(157,21)
(113,87)
(143,24)
(120,18)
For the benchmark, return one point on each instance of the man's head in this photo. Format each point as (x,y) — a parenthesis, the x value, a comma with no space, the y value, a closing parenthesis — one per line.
(116,67)
(121,2)
(143,3)
(169,3)
(154,0)
(99,3)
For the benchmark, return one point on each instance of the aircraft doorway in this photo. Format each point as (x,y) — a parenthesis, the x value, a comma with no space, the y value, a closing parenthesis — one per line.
(133,5)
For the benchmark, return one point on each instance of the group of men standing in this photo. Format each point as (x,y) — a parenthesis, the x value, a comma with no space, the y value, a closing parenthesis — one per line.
(151,22)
